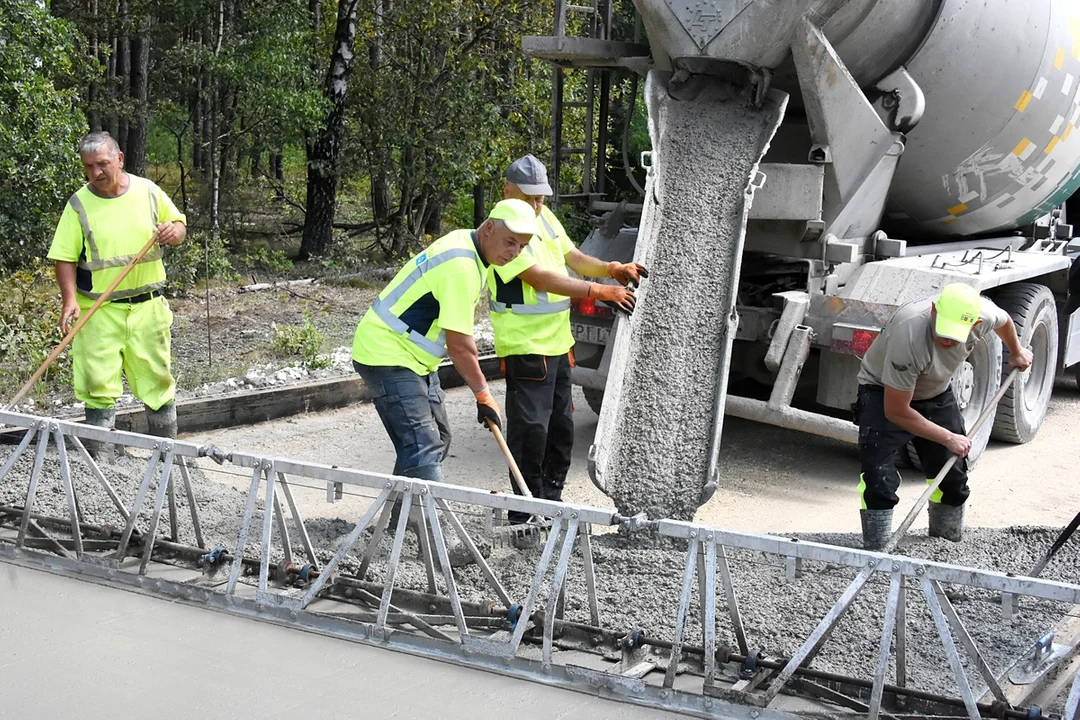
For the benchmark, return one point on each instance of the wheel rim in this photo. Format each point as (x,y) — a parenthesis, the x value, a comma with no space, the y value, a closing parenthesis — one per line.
(1035,378)
(970,383)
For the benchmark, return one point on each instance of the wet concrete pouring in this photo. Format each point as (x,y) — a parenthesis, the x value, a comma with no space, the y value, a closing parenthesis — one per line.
(660,406)
(638,578)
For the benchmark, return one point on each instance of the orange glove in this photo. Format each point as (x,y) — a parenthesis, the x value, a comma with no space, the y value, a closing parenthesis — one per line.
(487,408)
(619,297)
(627,273)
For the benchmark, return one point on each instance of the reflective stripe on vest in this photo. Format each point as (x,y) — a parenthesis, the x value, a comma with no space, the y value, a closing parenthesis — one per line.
(547,226)
(121,294)
(543,305)
(383,306)
(96,262)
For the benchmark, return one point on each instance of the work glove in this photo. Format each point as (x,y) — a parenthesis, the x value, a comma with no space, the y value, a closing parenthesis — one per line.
(487,409)
(627,273)
(615,295)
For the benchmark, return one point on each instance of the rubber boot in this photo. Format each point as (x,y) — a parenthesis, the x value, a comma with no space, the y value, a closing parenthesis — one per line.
(162,422)
(99,417)
(947,521)
(876,528)
(459,554)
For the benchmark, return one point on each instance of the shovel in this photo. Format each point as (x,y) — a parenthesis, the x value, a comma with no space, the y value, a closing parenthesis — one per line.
(80,322)
(519,481)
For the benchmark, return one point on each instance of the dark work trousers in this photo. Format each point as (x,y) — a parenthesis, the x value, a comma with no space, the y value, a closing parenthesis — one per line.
(879,440)
(413,411)
(539,423)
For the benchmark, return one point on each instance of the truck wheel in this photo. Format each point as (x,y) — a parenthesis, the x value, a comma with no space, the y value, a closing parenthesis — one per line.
(974,385)
(1024,406)
(595,398)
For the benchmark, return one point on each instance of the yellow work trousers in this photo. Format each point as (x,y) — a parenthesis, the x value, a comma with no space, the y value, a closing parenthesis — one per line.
(132,338)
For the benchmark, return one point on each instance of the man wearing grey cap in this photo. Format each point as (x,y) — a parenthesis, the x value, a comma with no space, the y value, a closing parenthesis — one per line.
(530,313)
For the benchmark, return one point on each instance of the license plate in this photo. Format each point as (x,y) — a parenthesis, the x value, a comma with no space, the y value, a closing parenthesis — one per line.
(595,334)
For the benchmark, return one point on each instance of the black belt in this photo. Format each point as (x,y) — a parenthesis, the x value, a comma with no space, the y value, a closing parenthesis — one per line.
(137,298)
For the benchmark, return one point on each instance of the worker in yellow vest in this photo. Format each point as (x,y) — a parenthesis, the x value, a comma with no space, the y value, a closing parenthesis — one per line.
(423,315)
(104,225)
(530,313)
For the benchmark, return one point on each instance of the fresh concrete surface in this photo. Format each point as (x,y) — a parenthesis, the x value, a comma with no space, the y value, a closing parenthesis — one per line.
(76,649)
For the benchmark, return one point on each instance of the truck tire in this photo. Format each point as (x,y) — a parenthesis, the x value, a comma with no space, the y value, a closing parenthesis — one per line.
(595,398)
(974,385)
(1024,406)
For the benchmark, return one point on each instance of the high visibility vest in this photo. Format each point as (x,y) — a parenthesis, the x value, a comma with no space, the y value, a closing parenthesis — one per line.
(526,320)
(97,258)
(402,326)
(534,302)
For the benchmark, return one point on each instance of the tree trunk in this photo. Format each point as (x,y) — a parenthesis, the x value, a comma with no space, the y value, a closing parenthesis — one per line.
(93,93)
(123,74)
(433,224)
(110,85)
(479,211)
(326,148)
(136,140)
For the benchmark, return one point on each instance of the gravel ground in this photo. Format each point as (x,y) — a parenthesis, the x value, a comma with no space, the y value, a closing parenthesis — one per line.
(638,579)
(240,342)
(656,428)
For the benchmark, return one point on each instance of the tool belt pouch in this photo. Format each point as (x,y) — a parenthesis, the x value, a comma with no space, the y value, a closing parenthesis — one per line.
(529,367)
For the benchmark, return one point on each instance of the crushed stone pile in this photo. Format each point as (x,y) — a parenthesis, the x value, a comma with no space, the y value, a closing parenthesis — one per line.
(669,360)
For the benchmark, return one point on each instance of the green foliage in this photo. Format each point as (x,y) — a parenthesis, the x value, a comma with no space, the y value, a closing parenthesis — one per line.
(40,126)
(29,320)
(260,258)
(186,264)
(300,341)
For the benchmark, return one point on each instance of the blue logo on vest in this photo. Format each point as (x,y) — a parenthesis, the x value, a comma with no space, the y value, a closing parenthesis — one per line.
(421,259)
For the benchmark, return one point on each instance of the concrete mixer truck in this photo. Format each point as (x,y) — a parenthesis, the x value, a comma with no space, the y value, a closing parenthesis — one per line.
(860,154)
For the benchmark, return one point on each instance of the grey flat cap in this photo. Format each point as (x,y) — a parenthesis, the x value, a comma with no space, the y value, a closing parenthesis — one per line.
(530,175)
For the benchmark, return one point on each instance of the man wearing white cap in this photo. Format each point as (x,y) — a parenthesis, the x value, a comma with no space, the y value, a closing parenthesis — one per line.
(904,396)
(424,314)
(530,313)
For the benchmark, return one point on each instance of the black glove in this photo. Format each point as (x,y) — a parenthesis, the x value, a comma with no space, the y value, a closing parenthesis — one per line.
(487,409)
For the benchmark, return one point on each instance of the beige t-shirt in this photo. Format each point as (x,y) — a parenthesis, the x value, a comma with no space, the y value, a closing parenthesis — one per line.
(906,357)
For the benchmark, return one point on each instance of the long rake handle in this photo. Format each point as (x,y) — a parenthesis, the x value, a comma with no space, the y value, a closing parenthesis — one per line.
(518,479)
(925,497)
(82,321)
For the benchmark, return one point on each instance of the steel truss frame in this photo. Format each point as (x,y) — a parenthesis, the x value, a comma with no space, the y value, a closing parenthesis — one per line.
(500,638)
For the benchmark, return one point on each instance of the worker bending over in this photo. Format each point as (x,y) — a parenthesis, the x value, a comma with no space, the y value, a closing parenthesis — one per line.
(103,227)
(904,395)
(530,313)
(423,315)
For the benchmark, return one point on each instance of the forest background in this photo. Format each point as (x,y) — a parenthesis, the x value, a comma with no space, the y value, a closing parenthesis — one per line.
(302,138)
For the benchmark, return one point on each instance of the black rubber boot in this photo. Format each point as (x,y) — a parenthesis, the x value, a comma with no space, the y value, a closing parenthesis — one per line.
(947,521)
(162,422)
(103,418)
(459,554)
(876,528)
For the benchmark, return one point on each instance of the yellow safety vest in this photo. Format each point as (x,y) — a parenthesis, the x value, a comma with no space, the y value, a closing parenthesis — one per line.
(125,224)
(526,320)
(435,291)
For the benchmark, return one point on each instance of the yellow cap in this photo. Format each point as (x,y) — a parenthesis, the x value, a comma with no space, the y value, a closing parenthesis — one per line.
(518,215)
(957,311)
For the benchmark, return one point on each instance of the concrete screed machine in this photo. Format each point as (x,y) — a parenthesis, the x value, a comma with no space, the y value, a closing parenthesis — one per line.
(924,142)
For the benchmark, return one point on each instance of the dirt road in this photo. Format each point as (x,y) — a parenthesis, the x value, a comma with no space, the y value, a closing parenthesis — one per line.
(773,480)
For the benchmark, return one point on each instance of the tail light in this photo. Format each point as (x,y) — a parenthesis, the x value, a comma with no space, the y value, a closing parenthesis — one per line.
(589,307)
(853,339)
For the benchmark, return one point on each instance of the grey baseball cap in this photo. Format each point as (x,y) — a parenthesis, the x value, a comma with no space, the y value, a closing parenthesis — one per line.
(530,175)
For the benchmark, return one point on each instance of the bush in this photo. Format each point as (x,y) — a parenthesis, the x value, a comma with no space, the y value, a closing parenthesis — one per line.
(303,341)
(277,261)
(186,264)
(29,319)
(39,127)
